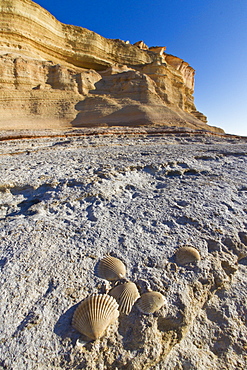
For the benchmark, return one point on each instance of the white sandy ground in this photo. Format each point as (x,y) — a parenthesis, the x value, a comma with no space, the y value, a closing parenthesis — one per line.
(66,202)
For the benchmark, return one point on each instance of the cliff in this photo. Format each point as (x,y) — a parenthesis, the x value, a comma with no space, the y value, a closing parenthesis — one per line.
(61,75)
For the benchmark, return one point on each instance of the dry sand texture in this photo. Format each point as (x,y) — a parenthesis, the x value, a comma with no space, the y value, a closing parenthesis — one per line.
(66,202)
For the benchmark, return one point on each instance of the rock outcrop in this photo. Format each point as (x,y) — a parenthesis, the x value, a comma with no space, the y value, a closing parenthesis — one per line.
(73,76)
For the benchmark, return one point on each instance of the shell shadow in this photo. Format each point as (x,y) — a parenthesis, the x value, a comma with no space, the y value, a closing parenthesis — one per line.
(63,327)
(132,329)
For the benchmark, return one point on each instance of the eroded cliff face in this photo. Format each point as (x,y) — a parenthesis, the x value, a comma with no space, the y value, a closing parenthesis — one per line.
(91,80)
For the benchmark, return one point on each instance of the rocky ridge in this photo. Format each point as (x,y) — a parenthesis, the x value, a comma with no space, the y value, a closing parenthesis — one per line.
(74,77)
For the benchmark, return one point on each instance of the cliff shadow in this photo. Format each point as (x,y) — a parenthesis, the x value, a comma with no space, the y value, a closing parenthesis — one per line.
(109,113)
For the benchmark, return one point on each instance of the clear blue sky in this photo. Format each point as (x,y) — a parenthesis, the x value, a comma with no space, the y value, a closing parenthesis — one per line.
(211,35)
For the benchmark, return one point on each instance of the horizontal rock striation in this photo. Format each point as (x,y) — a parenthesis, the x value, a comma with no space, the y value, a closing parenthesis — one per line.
(27,27)
(99,81)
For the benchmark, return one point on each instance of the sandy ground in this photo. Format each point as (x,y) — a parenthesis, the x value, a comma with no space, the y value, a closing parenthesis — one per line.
(66,202)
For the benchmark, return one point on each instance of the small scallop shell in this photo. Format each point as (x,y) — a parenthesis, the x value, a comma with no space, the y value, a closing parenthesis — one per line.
(150,302)
(94,314)
(126,294)
(186,255)
(111,268)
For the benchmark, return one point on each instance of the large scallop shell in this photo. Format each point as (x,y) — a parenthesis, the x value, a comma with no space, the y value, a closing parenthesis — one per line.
(94,314)
(126,294)
(111,268)
(186,255)
(150,302)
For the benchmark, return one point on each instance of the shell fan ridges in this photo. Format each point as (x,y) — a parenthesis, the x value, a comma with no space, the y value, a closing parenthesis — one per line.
(126,294)
(186,255)
(150,302)
(94,314)
(111,268)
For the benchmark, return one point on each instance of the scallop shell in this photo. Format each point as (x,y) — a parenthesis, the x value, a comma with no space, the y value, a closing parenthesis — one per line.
(150,302)
(94,314)
(126,294)
(186,255)
(111,268)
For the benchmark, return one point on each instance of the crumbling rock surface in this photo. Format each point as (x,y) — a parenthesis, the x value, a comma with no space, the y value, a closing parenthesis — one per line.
(77,70)
(68,201)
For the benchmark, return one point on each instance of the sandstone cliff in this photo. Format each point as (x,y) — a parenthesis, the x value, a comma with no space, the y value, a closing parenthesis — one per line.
(57,74)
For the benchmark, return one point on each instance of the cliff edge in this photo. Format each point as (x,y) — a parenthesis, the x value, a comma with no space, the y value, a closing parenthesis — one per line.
(57,75)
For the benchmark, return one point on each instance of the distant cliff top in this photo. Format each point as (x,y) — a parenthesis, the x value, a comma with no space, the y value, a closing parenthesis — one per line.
(33,30)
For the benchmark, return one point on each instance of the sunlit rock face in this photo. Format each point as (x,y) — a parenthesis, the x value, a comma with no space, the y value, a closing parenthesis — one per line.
(29,29)
(89,79)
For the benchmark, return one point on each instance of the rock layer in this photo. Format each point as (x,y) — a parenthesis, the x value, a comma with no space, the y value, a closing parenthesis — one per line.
(111,82)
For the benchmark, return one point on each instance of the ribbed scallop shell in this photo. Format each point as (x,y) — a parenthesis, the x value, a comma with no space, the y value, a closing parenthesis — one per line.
(111,268)
(186,255)
(150,302)
(94,314)
(126,294)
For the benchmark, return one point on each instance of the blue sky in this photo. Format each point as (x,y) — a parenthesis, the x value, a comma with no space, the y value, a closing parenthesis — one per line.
(211,35)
